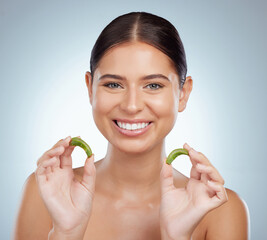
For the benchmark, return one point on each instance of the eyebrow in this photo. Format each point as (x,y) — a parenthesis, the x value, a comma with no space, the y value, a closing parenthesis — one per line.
(148,77)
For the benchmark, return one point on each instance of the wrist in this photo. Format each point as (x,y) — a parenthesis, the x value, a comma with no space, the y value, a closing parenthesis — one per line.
(55,234)
(166,236)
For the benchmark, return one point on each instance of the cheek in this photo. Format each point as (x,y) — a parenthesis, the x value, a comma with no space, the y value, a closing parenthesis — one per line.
(102,102)
(165,106)
(102,105)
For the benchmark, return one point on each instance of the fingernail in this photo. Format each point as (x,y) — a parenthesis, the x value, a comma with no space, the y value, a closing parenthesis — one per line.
(193,150)
(67,138)
(187,145)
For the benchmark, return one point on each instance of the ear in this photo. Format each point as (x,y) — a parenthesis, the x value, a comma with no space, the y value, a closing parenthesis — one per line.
(184,93)
(89,84)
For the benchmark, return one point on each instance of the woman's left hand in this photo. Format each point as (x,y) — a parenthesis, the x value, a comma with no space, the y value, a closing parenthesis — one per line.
(181,209)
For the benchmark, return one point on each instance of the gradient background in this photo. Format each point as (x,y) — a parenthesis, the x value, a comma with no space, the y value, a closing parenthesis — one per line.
(45,48)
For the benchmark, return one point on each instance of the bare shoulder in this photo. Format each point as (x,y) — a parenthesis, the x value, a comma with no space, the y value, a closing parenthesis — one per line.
(230,220)
(32,220)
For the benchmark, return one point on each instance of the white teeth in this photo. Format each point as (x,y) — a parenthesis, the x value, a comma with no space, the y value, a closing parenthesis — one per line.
(133,126)
(128,126)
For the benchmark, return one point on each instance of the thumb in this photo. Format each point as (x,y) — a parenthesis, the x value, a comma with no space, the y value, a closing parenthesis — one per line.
(166,178)
(89,174)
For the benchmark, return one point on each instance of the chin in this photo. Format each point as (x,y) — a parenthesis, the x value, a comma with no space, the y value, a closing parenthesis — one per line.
(135,147)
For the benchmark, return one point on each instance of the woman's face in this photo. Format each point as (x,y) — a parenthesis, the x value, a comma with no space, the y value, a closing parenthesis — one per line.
(134,81)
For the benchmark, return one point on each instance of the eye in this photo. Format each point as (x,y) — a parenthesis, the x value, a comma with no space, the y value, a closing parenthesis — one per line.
(155,86)
(112,85)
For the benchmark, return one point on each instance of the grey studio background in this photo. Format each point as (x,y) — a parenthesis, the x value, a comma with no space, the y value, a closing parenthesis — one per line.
(44,52)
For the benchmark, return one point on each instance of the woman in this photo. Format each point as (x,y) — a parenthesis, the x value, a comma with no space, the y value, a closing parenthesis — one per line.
(137,85)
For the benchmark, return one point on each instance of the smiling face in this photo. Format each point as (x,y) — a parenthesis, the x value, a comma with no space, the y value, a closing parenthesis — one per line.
(135,81)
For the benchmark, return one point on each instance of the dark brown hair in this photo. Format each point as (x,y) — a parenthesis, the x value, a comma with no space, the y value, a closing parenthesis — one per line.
(143,27)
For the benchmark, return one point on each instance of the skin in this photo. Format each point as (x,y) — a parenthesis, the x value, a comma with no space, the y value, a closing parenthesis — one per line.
(130,188)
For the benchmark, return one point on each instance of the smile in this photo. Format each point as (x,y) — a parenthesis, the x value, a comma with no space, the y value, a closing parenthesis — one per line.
(133,128)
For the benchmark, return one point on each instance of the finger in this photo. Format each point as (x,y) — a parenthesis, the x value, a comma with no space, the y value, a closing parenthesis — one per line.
(188,148)
(211,171)
(48,170)
(60,142)
(41,170)
(40,177)
(195,156)
(194,173)
(199,157)
(204,178)
(89,174)
(220,196)
(54,150)
(51,165)
(68,149)
(65,158)
(166,178)
(51,153)
(52,162)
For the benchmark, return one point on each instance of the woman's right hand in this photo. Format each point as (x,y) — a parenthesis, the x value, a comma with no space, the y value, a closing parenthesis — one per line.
(69,201)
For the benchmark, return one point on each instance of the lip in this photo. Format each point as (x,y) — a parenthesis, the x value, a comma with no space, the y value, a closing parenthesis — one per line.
(131,120)
(132,133)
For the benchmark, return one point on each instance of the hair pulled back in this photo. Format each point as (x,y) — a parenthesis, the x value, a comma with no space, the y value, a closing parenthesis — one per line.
(143,27)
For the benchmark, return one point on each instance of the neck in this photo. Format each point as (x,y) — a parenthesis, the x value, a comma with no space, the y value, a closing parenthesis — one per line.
(133,175)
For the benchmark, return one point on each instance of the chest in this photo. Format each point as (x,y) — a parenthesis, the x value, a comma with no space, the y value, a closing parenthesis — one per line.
(118,220)
(127,221)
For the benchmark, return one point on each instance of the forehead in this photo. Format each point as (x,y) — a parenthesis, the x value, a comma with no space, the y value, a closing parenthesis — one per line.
(135,57)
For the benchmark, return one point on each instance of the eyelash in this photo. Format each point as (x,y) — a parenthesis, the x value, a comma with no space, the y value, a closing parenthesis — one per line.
(159,86)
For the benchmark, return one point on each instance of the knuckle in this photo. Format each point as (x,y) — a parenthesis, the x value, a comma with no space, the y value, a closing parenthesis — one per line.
(201,154)
(58,143)
(209,169)
(39,161)
(47,152)
(37,170)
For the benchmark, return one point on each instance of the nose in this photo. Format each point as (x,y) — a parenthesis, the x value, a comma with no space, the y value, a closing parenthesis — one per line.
(132,101)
